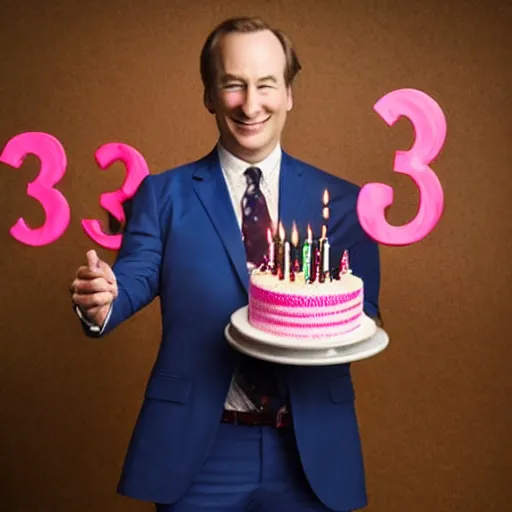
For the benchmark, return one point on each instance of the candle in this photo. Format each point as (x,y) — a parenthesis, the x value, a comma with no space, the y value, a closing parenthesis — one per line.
(326,246)
(321,270)
(286,261)
(315,262)
(294,258)
(275,260)
(325,209)
(344,265)
(326,258)
(325,250)
(280,252)
(271,249)
(306,255)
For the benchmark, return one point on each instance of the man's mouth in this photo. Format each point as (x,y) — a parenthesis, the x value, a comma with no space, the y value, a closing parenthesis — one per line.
(250,124)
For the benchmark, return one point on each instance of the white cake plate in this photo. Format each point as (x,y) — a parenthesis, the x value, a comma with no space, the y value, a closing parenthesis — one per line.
(240,320)
(310,357)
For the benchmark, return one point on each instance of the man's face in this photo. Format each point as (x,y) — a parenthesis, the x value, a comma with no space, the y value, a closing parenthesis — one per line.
(250,98)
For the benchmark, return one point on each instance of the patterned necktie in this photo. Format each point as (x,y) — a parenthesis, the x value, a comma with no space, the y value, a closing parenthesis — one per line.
(255,377)
(255,218)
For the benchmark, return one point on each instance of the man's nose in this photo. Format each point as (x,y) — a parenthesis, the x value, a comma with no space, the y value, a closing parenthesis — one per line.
(251,104)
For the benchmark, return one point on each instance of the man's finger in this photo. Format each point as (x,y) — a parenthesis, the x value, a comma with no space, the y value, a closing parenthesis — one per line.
(91,300)
(96,285)
(84,272)
(93,262)
(107,272)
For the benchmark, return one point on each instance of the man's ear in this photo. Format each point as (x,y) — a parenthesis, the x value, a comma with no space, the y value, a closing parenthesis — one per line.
(207,100)
(289,99)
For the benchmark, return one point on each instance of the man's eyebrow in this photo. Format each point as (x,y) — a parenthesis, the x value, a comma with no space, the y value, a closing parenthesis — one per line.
(268,78)
(229,77)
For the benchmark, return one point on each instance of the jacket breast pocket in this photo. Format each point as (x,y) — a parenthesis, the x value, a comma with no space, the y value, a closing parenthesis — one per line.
(341,389)
(169,387)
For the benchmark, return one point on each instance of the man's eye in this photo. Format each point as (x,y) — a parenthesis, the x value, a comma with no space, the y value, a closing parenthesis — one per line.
(233,86)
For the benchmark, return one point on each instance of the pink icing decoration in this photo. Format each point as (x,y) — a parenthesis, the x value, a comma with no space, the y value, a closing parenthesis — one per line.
(306,313)
(289,300)
(304,316)
(262,318)
(136,171)
(429,125)
(53,167)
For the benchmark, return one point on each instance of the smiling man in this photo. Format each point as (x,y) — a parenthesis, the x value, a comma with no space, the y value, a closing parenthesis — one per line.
(248,87)
(219,431)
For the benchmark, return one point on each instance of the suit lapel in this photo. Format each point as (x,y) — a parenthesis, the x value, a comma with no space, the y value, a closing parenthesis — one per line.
(213,193)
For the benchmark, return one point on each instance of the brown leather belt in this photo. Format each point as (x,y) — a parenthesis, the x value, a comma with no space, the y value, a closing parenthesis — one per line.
(257,419)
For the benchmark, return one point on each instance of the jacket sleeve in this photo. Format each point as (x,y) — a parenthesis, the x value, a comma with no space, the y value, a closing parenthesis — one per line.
(137,266)
(363,251)
(365,263)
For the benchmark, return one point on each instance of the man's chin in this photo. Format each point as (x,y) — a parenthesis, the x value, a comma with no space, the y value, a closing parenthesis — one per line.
(250,143)
(246,147)
(248,139)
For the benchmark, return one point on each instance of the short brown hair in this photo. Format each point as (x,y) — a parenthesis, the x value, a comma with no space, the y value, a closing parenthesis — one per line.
(244,25)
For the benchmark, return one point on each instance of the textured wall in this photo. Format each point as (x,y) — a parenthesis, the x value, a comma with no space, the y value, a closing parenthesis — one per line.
(434,407)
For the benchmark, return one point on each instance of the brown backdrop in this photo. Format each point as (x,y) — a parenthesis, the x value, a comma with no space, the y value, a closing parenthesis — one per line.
(434,407)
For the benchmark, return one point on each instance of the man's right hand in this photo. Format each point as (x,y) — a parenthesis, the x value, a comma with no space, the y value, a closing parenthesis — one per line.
(94,289)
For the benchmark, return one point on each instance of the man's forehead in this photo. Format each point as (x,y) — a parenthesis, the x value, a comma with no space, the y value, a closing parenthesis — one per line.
(259,55)
(249,70)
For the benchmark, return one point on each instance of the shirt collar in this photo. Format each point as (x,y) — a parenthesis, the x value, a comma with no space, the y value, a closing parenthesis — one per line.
(234,167)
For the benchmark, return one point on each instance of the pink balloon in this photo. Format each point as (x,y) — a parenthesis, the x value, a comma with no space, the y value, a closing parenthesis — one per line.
(136,171)
(429,125)
(53,167)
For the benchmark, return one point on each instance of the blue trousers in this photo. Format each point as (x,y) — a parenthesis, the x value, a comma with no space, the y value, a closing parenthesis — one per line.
(250,469)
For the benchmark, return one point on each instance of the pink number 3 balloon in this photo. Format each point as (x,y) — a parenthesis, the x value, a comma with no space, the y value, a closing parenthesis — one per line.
(429,125)
(53,167)
(136,170)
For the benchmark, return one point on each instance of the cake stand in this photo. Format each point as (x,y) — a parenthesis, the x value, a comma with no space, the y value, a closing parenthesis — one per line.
(366,341)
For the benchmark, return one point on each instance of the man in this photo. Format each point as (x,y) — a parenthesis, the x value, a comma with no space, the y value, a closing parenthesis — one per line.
(202,442)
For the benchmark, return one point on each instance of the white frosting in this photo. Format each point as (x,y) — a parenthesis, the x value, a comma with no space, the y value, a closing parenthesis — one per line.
(347,283)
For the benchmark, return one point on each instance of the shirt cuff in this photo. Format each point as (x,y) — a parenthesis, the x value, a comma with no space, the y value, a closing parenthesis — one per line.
(93,328)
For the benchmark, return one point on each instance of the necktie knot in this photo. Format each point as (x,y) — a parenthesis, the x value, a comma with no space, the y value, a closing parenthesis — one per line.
(253,175)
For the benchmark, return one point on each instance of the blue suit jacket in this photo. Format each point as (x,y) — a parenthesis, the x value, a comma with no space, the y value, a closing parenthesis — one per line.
(182,243)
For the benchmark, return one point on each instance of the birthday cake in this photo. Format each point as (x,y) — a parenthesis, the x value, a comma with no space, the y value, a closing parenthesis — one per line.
(301,309)
(296,294)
